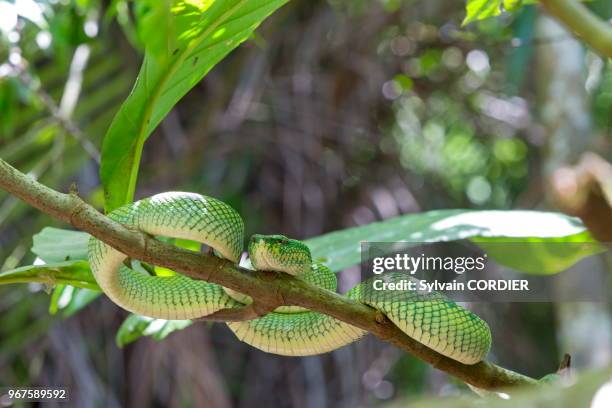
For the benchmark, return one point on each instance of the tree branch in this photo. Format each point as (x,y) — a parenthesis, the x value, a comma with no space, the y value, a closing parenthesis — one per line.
(583,22)
(268,288)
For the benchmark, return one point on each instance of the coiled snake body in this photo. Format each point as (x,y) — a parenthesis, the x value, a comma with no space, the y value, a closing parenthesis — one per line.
(429,318)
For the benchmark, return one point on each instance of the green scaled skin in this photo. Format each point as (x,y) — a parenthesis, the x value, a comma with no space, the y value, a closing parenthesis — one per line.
(279,253)
(429,318)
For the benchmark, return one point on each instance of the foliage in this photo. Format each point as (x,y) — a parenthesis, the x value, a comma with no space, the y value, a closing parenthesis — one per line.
(75,273)
(177,56)
(196,37)
(339,250)
(438,84)
(55,245)
(481,9)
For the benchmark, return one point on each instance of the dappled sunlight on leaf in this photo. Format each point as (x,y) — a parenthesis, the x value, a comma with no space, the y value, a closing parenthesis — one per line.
(512,224)
(342,248)
(205,33)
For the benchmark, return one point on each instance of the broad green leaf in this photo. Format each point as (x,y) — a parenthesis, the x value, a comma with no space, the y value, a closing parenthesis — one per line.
(75,273)
(136,326)
(205,32)
(341,249)
(57,245)
(514,5)
(155,26)
(537,256)
(481,9)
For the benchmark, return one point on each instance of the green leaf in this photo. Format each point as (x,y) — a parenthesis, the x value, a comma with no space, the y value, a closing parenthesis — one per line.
(53,245)
(156,28)
(341,249)
(75,273)
(515,5)
(136,326)
(512,5)
(57,245)
(539,257)
(205,32)
(481,9)
(70,300)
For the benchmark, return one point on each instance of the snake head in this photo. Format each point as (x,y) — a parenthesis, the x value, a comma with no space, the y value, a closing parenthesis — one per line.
(279,253)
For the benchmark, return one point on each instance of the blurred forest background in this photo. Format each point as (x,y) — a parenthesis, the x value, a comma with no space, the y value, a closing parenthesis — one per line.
(336,113)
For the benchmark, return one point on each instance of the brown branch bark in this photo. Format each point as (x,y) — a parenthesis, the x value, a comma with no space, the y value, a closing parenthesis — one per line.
(268,288)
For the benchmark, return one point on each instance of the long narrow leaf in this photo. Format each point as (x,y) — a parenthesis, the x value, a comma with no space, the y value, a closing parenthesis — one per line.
(205,32)
(74,273)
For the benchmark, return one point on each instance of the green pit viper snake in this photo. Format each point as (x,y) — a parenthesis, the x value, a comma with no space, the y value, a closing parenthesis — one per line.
(429,318)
